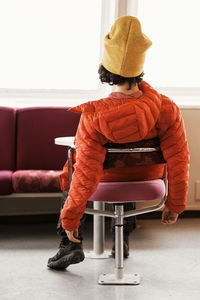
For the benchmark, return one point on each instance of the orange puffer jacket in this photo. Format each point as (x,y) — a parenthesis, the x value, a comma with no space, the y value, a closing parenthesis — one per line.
(123,121)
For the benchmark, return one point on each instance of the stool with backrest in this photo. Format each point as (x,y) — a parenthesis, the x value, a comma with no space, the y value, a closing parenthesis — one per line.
(145,152)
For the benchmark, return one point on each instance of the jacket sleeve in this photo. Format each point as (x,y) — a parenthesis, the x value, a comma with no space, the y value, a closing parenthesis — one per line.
(88,169)
(174,146)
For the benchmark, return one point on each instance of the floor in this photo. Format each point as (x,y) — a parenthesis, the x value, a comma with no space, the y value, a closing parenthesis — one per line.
(166,256)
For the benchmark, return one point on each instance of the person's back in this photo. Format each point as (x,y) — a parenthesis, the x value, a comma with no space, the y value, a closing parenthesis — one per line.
(116,99)
(133,112)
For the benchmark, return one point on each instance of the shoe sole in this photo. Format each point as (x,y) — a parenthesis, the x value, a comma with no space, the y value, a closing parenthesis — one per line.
(65,261)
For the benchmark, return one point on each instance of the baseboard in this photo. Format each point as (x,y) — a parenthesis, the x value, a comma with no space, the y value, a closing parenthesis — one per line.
(35,205)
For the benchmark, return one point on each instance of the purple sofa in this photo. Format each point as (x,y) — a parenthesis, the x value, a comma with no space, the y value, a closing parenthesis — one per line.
(30,162)
(7,149)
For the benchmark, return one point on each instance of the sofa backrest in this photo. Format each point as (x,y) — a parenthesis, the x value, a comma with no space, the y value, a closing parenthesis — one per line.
(37,127)
(7,138)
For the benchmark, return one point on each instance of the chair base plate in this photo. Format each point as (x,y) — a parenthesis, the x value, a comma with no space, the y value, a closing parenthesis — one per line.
(128,279)
(92,254)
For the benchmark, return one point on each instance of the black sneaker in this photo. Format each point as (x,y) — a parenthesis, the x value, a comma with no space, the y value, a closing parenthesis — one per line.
(72,253)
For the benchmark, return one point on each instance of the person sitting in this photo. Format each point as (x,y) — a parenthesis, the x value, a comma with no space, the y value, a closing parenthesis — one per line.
(134,111)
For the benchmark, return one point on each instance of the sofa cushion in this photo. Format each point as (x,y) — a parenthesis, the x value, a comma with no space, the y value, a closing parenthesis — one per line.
(7,138)
(37,127)
(36,181)
(6,182)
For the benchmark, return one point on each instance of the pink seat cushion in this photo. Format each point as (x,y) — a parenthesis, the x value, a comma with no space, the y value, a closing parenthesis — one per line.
(6,182)
(130,191)
(36,181)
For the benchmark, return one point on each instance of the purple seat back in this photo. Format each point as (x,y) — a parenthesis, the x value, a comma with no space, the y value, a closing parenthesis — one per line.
(7,138)
(37,127)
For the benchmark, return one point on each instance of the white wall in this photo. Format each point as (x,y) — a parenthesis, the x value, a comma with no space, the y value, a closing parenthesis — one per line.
(192,124)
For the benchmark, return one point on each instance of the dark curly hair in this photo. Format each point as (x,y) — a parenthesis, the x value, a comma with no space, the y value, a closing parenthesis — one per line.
(112,79)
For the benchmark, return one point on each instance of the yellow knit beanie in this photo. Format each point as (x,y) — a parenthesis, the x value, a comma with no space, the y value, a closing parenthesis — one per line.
(124,47)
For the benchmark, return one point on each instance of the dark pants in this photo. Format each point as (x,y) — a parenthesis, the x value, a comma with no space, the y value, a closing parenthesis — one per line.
(129,223)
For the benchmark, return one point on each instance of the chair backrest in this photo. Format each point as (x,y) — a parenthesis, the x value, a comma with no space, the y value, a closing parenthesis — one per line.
(145,152)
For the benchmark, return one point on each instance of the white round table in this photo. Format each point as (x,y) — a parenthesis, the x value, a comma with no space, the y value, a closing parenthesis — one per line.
(65,141)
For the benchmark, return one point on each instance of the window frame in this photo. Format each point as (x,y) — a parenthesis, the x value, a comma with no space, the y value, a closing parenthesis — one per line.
(186,97)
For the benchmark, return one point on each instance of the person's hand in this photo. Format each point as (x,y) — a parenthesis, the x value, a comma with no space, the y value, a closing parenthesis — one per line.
(168,217)
(71,235)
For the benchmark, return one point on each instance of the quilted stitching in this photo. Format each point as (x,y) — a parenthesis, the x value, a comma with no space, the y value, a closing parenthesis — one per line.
(125,122)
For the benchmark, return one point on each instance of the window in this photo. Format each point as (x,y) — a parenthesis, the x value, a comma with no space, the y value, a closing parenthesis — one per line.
(52,47)
(50,44)
(172,25)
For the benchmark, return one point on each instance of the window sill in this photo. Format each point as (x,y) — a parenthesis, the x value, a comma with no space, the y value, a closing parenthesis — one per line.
(68,98)
(185,98)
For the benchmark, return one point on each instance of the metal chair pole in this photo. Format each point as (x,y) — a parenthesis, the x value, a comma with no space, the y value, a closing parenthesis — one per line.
(119,242)
(98,230)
